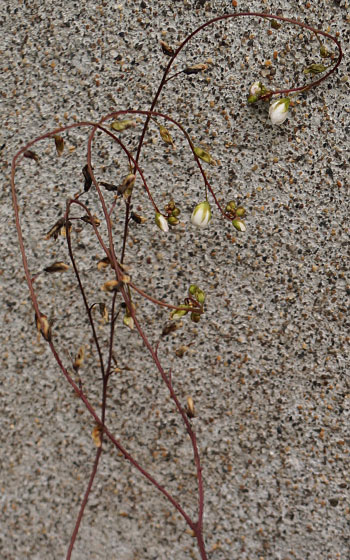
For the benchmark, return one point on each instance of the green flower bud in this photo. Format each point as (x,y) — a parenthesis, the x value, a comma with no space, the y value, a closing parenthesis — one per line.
(178,313)
(240,212)
(193,289)
(173,221)
(239,224)
(162,222)
(195,317)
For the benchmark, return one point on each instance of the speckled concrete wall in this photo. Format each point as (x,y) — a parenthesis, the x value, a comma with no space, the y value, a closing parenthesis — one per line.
(267,366)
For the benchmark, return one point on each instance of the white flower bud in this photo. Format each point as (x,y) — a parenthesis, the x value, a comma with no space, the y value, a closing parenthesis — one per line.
(162,222)
(278,111)
(201,215)
(255,89)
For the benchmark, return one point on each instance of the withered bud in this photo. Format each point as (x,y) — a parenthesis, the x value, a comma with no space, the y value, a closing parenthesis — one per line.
(181,351)
(127,185)
(96,435)
(103,263)
(137,218)
(88,178)
(79,359)
(43,326)
(195,69)
(59,143)
(109,186)
(31,155)
(54,231)
(94,220)
(111,286)
(204,155)
(123,125)
(169,51)
(190,408)
(125,279)
(57,267)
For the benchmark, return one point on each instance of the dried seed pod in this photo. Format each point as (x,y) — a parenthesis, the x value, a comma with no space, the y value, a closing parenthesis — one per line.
(205,156)
(103,263)
(195,69)
(109,186)
(169,51)
(103,311)
(123,125)
(43,326)
(79,359)
(31,155)
(59,143)
(190,408)
(111,286)
(169,328)
(127,186)
(54,231)
(128,321)
(87,177)
(137,218)
(57,267)
(181,351)
(96,435)
(93,220)
(67,228)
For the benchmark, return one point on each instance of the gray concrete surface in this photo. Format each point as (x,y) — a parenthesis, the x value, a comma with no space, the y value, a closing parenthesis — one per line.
(269,366)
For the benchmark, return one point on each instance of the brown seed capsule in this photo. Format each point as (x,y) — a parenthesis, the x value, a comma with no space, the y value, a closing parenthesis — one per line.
(275,24)
(137,218)
(169,328)
(169,51)
(96,435)
(93,220)
(195,69)
(165,135)
(43,326)
(59,143)
(31,155)
(103,311)
(111,286)
(88,178)
(79,359)
(103,263)
(54,231)
(109,186)
(57,267)
(190,408)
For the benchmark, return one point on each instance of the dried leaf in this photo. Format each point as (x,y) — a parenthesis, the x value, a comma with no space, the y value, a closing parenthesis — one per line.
(195,69)
(88,178)
(96,435)
(123,125)
(167,49)
(57,267)
(59,143)
(31,155)
(111,286)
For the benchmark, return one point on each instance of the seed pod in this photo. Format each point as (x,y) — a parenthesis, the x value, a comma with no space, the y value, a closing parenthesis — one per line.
(79,359)
(57,267)
(96,435)
(275,24)
(54,231)
(111,286)
(190,408)
(205,156)
(165,135)
(315,69)
(123,125)
(169,328)
(66,228)
(167,50)
(43,326)
(195,69)
(195,317)
(31,155)
(87,177)
(137,218)
(109,186)
(128,321)
(173,221)
(59,143)
(127,186)
(103,263)
(103,311)
(93,220)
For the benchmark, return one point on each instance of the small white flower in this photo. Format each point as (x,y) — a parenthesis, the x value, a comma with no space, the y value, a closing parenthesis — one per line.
(201,215)
(162,222)
(278,111)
